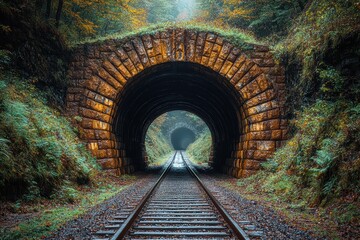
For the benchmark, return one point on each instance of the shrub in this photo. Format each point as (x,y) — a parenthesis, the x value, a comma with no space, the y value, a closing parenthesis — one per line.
(320,158)
(199,151)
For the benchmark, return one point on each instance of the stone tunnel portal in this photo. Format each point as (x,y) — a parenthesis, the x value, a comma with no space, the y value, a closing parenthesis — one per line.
(181,138)
(119,86)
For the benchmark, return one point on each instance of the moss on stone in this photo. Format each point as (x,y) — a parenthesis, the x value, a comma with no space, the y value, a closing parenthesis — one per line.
(240,38)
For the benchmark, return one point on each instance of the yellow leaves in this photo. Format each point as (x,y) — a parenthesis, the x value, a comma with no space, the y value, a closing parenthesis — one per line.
(138,16)
(85,25)
(239,12)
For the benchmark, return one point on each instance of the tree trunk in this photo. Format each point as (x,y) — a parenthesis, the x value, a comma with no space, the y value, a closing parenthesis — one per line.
(58,12)
(39,6)
(48,8)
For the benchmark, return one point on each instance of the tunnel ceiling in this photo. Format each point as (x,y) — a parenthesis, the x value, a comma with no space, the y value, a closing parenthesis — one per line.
(120,86)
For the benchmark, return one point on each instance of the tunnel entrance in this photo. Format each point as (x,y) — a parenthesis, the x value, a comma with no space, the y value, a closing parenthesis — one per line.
(178,86)
(181,138)
(119,86)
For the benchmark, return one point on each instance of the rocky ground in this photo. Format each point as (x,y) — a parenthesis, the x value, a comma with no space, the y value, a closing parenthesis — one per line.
(94,220)
(266,220)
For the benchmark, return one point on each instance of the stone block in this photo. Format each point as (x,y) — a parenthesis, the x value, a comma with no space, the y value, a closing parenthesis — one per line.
(106,76)
(210,37)
(208,48)
(262,145)
(225,50)
(260,48)
(241,72)
(147,41)
(262,135)
(102,135)
(114,72)
(214,55)
(190,51)
(107,90)
(136,61)
(263,82)
(276,135)
(247,173)
(218,64)
(250,90)
(108,163)
(226,67)
(105,144)
(88,113)
(250,164)
(142,54)
(262,155)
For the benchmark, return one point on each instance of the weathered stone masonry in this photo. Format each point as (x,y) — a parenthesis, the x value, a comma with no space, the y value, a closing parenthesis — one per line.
(99,73)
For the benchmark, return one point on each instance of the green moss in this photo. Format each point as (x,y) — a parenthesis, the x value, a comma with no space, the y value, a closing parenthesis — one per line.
(241,39)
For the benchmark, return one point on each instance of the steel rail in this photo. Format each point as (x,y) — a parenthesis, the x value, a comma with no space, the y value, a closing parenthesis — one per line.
(122,231)
(237,230)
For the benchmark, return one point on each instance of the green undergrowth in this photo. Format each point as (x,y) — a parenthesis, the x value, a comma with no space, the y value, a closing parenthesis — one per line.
(320,164)
(48,219)
(199,151)
(240,38)
(41,155)
(319,30)
(157,147)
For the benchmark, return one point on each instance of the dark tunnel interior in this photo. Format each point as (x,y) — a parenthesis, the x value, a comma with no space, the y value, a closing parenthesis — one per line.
(181,138)
(178,86)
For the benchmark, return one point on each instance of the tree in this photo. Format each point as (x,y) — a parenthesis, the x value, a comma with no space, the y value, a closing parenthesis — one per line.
(58,12)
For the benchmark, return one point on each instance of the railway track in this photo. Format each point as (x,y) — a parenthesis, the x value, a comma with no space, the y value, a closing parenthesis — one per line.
(178,206)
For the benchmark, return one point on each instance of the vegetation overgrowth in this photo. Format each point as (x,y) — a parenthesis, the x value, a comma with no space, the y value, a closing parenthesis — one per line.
(157,139)
(241,38)
(40,151)
(157,147)
(320,162)
(49,215)
(200,150)
(317,41)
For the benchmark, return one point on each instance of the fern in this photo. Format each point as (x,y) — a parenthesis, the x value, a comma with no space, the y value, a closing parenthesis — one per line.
(325,156)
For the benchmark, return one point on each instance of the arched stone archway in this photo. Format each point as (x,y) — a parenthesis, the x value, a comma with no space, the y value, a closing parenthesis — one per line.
(103,79)
(181,125)
(182,137)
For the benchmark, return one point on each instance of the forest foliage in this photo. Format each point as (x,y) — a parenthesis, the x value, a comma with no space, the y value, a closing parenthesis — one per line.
(41,155)
(309,37)
(157,140)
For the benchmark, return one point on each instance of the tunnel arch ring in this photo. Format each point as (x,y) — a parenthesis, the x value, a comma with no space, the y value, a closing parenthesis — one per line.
(101,72)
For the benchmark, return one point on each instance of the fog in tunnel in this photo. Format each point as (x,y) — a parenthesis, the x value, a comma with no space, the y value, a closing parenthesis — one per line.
(181,138)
